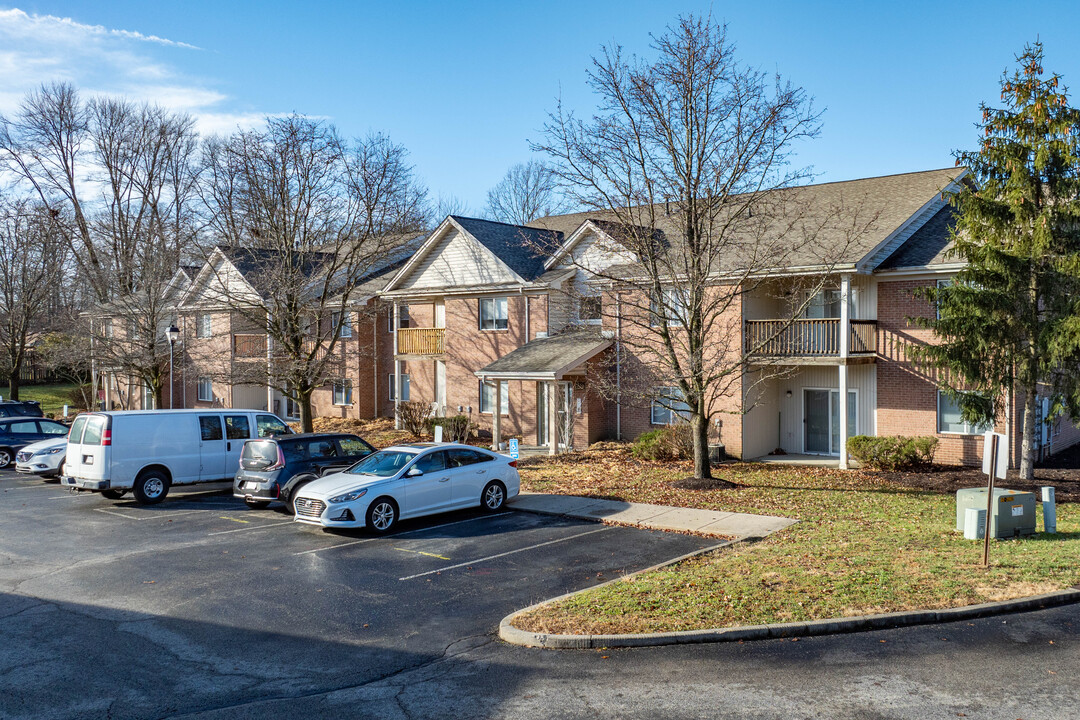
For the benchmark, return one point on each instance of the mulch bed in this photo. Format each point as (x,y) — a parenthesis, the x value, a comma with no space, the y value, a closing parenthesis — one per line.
(1061,471)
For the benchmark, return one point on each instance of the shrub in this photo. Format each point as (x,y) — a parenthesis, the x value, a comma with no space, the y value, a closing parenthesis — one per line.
(81,396)
(456,428)
(673,442)
(414,416)
(892,453)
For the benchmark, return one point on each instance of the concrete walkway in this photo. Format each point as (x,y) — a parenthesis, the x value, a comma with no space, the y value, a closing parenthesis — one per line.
(653,517)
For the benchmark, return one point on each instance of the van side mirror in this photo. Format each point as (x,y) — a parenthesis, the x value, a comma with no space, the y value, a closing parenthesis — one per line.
(414,472)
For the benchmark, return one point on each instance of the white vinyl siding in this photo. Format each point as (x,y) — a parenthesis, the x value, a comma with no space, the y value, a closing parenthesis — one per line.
(457,260)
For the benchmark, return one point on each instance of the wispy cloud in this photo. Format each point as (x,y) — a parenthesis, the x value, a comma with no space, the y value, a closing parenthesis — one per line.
(37,49)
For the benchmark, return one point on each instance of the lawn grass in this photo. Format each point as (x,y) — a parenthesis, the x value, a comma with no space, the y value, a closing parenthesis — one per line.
(53,398)
(863,545)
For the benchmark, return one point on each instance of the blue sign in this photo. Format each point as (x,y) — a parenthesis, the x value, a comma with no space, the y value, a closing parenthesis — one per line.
(514,448)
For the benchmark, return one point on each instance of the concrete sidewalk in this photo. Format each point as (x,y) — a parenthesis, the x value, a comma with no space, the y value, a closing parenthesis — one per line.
(653,517)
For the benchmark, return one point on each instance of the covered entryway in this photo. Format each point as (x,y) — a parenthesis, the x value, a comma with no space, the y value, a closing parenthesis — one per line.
(553,363)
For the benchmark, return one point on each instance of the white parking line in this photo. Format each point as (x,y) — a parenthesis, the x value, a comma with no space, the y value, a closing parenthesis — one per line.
(151,516)
(508,552)
(253,527)
(397,535)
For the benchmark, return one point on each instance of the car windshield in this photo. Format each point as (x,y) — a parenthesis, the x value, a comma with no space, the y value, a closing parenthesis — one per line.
(383,463)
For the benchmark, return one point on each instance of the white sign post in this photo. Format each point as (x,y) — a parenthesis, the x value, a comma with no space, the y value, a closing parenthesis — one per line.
(438,433)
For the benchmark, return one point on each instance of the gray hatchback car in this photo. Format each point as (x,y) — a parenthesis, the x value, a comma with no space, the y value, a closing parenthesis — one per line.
(275,468)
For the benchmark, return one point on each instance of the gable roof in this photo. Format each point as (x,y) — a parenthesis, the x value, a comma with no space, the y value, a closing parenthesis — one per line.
(886,204)
(547,357)
(927,246)
(516,245)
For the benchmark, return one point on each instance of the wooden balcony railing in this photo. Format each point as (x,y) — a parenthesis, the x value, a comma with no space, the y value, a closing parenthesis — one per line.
(249,346)
(420,341)
(808,338)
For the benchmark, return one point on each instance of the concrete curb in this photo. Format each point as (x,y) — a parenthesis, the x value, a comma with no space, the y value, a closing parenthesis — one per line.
(513,635)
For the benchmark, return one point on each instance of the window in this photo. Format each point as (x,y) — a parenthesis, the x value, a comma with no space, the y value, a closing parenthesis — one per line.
(353,447)
(674,307)
(823,304)
(210,427)
(487,397)
(95,428)
(461,458)
(148,398)
(107,330)
(341,321)
(318,449)
(950,420)
(668,406)
(343,392)
(206,390)
(52,428)
(26,427)
(269,425)
(941,285)
(202,325)
(404,387)
(589,307)
(404,321)
(133,331)
(432,462)
(493,314)
(236,427)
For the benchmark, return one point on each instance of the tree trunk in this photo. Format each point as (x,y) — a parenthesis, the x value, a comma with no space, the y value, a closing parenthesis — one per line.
(13,381)
(699,427)
(303,399)
(1027,443)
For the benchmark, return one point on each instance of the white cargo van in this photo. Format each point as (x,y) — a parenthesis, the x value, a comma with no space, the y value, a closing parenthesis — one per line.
(148,451)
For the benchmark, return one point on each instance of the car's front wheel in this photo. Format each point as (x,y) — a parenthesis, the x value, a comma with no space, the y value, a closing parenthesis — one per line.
(494,496)
(5,457)
(382,515)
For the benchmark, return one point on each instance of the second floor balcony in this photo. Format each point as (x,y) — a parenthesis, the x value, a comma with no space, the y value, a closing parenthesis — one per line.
(420,341)
(249,345)
(810,339)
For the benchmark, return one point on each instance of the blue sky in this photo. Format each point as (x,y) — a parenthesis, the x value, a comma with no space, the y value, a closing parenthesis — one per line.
(465,86)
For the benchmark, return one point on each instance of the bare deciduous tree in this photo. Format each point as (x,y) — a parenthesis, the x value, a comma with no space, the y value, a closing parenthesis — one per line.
(307,216)
(528,191)
(687,159)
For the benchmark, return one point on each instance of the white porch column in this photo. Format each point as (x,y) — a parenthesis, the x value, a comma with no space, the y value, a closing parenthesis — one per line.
(496,418)
(845,348)
(397,369)
(553,418)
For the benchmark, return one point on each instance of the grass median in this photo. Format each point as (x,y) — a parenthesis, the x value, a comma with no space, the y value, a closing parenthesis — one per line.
(865,544)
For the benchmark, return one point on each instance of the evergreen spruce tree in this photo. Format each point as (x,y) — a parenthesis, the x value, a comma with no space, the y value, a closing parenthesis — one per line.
(1011,318)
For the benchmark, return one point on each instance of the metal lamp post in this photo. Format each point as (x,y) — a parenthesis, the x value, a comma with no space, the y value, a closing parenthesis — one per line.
(171,335)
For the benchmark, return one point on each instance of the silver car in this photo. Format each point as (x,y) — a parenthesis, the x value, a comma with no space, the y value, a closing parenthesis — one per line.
(43,458)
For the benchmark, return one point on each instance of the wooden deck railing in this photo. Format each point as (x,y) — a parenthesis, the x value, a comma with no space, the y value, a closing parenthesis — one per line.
(420,341)
(809,338)
(249,345)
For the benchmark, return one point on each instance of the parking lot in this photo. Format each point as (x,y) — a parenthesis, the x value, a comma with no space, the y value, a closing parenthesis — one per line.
(200,602)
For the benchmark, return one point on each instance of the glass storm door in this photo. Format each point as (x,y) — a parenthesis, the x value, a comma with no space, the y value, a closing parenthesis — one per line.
(834,407)
(816,421)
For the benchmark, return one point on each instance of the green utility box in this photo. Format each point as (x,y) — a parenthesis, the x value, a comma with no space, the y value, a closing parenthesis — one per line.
(1013,512)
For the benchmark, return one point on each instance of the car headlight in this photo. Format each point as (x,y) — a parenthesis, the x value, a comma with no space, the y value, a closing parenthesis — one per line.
(349,496)
(56,450)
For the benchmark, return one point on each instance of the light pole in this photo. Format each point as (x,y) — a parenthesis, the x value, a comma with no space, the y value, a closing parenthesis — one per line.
(171,334)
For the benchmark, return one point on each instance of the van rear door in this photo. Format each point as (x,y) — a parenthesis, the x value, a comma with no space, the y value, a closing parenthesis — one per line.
(237,430)
(211,447)
(89,443)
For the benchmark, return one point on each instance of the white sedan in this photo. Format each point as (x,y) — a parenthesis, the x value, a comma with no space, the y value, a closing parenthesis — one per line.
(42,458)
(407,481)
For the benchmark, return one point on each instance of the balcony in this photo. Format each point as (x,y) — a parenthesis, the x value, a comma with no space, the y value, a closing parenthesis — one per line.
(817,339)
(420,341)
(249,345)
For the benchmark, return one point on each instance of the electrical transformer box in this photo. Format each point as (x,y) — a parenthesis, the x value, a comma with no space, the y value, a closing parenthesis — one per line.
(1012,513)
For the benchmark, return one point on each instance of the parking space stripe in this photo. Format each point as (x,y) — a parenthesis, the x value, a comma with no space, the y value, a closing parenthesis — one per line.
(152,516)
(254,527)
(504,554)
(397,535)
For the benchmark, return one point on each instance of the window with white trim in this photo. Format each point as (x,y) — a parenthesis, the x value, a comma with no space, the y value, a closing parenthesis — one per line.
(950,420)
(493,314)
(404,387)
(206,389)
(487,397)
(343,392)
(589,309)
(668,406)
(203,328)
(675,306)
(342,323)
(404,321)
(107,330)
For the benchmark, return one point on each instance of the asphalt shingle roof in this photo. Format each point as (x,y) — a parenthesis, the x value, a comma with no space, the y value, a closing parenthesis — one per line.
(548,355)
(515,245)
(928,245)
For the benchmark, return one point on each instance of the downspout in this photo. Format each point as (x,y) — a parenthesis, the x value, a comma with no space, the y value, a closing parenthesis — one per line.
(269,365)
(526,318)
(618,367)
(183,365)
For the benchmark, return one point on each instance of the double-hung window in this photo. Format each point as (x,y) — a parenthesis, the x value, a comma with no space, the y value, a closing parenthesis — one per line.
(668,406)
(343,392)
(487,397)
(589,309)
(672,304)
(493,314)
(404,387)
(341,322)
(206,389)
(202,325)
(949,419)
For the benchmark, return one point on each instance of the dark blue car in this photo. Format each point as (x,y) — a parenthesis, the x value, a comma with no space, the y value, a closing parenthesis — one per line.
(17,433)
(275,468)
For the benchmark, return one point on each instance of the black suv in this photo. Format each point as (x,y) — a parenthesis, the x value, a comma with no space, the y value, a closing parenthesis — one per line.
(275,468)
(19,408)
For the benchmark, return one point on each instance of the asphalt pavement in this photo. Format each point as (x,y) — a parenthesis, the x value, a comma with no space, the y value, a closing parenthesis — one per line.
(200,607)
